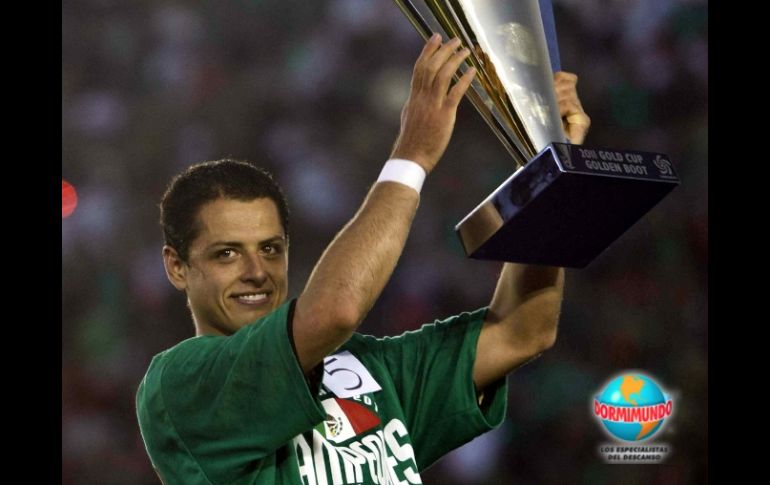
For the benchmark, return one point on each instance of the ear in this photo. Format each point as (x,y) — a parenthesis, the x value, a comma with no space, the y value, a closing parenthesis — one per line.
(176,269)
(286,255)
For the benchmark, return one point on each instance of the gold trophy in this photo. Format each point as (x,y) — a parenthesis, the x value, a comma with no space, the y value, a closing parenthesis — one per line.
(564,204)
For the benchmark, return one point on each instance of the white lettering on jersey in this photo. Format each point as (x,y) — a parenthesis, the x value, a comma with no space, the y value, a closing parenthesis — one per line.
(352,462)
(380,453)
(305,460)
(401,452)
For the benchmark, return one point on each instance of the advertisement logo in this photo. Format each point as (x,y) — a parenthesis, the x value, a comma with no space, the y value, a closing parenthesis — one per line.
(633,408)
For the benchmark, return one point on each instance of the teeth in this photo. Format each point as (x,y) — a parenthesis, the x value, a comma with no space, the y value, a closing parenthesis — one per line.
(253,297)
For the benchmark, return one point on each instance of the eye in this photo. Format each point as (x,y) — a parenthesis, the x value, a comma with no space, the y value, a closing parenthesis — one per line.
(226,253)
(271,249)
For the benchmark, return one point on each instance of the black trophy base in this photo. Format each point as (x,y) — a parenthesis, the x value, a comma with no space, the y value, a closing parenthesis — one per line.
(566,206)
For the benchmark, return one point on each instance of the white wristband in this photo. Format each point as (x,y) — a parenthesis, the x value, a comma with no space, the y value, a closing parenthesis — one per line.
(404,172)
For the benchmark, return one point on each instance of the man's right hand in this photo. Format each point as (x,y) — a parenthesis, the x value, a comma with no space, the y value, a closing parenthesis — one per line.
(428,117)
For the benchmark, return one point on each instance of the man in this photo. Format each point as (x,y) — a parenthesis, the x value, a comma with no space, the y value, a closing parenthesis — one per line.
(277,391)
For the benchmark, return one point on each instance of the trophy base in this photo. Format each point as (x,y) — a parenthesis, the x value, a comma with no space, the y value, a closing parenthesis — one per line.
(566,206)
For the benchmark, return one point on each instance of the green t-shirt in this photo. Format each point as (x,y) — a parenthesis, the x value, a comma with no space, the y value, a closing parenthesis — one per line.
(238,410)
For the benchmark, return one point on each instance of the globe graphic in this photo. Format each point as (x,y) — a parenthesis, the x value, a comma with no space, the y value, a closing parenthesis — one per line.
(632,390)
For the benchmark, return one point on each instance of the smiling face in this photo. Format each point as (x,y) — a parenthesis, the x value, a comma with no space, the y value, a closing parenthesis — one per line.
(237,266)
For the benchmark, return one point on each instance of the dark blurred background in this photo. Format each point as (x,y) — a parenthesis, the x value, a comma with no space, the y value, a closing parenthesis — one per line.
(312,90)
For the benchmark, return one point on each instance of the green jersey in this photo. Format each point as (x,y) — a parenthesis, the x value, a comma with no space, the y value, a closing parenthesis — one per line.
(238,410)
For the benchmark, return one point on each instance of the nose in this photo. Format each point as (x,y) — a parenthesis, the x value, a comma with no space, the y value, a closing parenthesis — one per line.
(253,270)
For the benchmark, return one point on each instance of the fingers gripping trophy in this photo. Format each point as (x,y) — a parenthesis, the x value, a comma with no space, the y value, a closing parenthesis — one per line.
(564,204)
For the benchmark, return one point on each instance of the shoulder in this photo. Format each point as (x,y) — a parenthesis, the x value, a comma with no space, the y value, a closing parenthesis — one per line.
(178,373)
(186,356)
(362,345)
(462,323)
(362,340)
(465,322)
(462,320)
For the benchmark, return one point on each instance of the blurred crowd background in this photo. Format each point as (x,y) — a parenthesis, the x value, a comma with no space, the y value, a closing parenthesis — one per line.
(312,90)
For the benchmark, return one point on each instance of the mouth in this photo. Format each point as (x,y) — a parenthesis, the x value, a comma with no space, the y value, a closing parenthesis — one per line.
(252,299)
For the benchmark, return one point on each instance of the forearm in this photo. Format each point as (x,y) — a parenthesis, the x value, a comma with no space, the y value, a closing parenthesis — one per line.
(518,282)
(353,270)
(527,302)
(521,321)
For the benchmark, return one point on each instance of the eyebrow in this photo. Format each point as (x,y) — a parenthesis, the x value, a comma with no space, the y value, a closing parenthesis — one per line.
(238,244)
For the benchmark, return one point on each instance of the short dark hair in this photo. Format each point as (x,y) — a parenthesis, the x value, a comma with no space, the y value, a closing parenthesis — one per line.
(208,181)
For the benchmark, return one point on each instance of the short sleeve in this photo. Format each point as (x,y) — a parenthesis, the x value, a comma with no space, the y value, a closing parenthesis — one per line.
(223,403)
(432,371)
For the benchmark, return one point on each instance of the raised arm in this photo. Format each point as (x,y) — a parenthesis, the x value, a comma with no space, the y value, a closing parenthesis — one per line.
(353,270)
(522,318)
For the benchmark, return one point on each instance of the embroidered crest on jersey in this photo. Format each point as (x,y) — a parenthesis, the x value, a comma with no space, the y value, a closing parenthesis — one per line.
(345,419)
